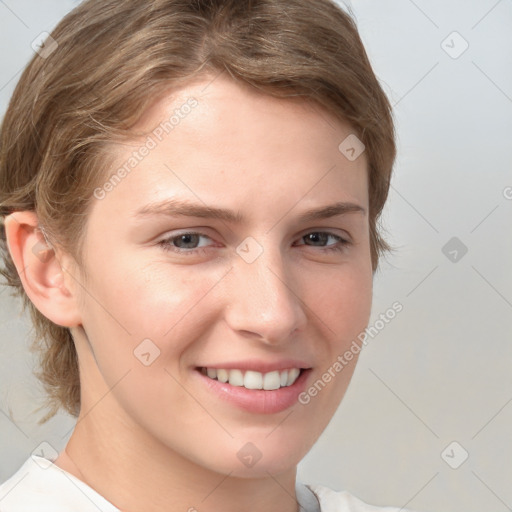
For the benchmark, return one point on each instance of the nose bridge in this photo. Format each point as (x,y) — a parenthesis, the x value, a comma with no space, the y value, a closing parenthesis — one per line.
(263,300)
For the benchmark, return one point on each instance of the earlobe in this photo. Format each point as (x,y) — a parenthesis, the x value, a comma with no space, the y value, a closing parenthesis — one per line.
(40,270)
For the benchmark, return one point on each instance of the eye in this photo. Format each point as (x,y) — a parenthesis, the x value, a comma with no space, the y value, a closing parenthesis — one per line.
(189,243)
(184,243)
(320,239)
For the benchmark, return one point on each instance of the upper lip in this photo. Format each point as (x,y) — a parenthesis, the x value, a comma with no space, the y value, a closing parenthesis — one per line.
(259,366)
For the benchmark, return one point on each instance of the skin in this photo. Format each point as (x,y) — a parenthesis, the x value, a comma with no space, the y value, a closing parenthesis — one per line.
(153,437)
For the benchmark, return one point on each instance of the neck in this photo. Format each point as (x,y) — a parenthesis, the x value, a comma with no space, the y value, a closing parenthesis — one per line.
(135,472)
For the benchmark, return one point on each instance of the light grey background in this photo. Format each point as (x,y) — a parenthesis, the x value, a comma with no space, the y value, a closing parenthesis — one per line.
(441,370)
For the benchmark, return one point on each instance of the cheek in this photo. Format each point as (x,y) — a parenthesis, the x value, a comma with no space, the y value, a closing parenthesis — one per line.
(134,301)
(342,306)
(342,300)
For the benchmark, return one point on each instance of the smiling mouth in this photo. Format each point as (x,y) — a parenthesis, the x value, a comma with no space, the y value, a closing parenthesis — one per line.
(254,380)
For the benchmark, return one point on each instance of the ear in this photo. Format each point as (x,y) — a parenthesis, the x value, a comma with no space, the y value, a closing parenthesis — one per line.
(47,284)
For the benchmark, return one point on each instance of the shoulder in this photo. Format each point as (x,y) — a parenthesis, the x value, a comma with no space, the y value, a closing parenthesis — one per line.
(39,485)
(343,501)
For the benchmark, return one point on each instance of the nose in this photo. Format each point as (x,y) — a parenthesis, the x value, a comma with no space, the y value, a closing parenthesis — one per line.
(264,301)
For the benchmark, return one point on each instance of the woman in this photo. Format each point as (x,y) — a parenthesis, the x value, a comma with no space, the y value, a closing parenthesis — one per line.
(191,193)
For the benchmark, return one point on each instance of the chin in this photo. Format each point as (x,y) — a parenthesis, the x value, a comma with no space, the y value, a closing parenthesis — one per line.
(263,453)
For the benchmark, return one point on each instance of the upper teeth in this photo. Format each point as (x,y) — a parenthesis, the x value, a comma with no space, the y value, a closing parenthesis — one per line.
(254,380)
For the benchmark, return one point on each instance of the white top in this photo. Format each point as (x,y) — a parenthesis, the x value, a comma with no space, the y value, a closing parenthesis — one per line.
(39,485)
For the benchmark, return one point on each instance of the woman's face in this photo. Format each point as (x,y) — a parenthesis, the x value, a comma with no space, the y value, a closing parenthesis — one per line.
(205,254)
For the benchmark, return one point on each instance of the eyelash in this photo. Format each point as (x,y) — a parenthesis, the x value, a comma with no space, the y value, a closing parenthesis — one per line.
(166,243)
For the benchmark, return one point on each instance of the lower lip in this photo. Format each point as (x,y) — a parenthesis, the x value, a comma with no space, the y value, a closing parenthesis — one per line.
(258,400)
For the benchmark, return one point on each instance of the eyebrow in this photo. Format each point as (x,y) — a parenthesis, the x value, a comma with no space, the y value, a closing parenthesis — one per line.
(176,207)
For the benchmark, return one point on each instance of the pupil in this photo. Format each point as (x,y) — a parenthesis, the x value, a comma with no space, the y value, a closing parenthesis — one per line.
(189,239)
(317,237)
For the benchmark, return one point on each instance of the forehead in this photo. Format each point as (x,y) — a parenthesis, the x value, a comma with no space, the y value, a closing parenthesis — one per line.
(228,96)
(225,109)
(216,139)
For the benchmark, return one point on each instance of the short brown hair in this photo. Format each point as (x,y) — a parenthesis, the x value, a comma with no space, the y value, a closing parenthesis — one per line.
(113,58)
